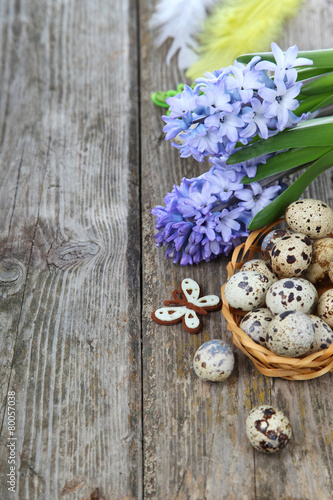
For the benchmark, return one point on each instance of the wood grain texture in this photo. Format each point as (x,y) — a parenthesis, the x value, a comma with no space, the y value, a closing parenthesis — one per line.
(70,249)
(194,433)
(79,175)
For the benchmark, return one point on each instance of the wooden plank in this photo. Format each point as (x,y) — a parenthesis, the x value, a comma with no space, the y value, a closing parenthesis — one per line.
(182,416)
(194,433)
(306,471)
(70,249)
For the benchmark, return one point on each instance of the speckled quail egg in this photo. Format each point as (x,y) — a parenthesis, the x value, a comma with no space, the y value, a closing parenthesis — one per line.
(268,429)
(322,256)
(311,217)
(255,324)
(292,294)
(330,271)
(213,361)
(261,267)
(291,255)
(325,307)
(323,334)
(246,290)
(270,239)
(290,334)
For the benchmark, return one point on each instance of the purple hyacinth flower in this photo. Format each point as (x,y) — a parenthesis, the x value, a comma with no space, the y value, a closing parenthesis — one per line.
(197,204)
(256,119)
(213,78)
(204,139)
(281,100)
(182,103)
(175,126)
(256,198)
(244,83)
(228,124)
(205,226)
(223,183)
(226,222)
(285,62)
(215,98)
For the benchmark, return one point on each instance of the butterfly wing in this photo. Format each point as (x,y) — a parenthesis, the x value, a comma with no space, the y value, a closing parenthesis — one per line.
(191,321)
(209,302)
(190,289)
(168,315)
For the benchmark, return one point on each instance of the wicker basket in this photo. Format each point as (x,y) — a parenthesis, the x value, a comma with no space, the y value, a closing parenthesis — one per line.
(271,365)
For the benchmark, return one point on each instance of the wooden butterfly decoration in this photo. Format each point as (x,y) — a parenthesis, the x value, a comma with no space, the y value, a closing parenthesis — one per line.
(186,306)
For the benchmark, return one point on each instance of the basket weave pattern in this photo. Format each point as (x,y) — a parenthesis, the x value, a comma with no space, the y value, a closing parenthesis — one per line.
(271,365)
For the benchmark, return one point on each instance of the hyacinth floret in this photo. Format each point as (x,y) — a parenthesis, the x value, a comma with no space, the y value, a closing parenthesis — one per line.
(255,198)
(284,67)
(235,104)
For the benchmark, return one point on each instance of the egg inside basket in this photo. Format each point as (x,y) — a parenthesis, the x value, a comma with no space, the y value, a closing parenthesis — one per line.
(302,368)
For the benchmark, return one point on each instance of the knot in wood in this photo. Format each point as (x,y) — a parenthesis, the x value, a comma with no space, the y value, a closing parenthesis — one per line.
(72,253)
(12,276)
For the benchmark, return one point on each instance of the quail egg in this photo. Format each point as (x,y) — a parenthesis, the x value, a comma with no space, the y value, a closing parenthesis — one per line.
(292,294)
(330,271)
(322,256)
(213,361)
(270,239)
(261,267)
(268,429)
(311,217)
(325,307)
(246,290)
(290,334)
(323,334)
(291,255)
(255,324)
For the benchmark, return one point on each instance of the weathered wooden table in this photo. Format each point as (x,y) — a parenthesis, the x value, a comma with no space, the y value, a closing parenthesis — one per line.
(107,404)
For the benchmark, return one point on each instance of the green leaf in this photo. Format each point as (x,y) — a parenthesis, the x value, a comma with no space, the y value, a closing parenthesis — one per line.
(312,103)
(310,72)
(286,161)
(316,132)
(318,86)
(321,58)
(326,102)
(314,122)
(277,207)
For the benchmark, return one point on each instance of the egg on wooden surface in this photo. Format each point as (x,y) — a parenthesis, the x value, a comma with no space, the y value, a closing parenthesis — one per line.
(325,307)
(261,267)
(214,361)
(268,429)
(323,334)
(289,294)
(290,334)
(255,324)
(311,217)
(291,255)
(246,290)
